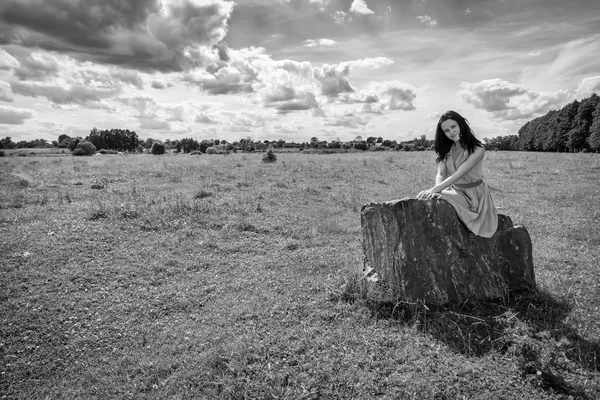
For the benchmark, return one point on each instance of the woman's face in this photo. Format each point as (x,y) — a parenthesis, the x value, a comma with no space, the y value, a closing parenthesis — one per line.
(451,130)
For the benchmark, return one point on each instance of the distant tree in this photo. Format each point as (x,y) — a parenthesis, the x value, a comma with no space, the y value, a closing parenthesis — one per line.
(269,156)
(84,148)
(581,125)
(74,142)
(7,143)
(280,143)
(594,138)
(379,139)
(205,144)
(157,148)
(335,144)
(371,140)
(362,145)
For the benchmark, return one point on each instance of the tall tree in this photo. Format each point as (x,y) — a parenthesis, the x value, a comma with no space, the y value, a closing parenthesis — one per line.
(594,138)
(581,125)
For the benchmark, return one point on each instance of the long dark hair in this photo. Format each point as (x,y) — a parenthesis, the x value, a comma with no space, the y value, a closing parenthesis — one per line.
(442,144)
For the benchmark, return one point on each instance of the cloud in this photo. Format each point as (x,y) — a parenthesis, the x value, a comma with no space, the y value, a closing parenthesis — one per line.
(339,17)
(154,115)
(14,116)
(304,100)
(319,42)
(334,78)
(140,34)
(491,95)
(349,119)
(127,76)
(154,124)
(510,101)
(364,96)
(6,93)
(7,61)
(427,20)
(587,86)
(206,118)
(77,94)
(237,75)
(360,7)
(395,95)
(322,4)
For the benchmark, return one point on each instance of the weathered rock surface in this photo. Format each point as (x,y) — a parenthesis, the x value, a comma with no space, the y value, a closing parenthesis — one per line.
(424,252)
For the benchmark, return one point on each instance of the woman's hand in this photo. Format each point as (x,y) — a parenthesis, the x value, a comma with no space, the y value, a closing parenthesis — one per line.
(428,194)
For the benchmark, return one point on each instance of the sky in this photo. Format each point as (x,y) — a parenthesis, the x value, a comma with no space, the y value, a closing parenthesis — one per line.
(290,69)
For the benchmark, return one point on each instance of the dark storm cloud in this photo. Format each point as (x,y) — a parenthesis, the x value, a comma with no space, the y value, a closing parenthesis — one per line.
(136,33)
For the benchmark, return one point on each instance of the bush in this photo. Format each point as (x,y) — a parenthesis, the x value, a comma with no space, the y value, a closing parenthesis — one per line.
(269,156)
(195,153)
(157,148)
(84,148)
(104,151)
(2,154)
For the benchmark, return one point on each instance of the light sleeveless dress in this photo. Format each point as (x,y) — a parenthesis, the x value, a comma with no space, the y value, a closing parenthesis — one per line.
(470,195)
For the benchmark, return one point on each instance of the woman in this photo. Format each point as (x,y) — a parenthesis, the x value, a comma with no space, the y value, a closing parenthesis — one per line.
(459,178)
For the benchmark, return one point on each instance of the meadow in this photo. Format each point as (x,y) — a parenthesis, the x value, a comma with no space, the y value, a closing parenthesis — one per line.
(222,277)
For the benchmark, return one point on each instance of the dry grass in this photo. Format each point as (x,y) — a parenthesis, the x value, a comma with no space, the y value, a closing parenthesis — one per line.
(225,277)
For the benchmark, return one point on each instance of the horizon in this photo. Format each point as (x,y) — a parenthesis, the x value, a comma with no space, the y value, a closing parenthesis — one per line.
(290,69)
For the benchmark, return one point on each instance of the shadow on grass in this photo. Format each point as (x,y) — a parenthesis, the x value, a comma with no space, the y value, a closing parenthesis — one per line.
(528,327)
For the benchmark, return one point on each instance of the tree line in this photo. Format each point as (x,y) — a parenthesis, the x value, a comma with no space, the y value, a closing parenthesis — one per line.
(573,128)
(124,140)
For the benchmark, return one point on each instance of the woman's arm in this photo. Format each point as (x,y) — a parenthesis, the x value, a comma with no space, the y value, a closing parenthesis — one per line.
(441,173)
(442,181)
(465,167)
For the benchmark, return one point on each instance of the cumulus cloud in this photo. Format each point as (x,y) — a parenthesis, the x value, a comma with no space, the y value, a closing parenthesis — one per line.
(304,100)
(587,86)
(14,116)
(339,17)
(427,20)
(334,78)
(364,96)
(492,94)
(237,75)
(360,7)
(141,34)
(395,95)
(510,100)
(6,93)
(319,42)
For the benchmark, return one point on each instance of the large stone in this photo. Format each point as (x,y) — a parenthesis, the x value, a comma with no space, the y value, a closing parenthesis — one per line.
(423,252)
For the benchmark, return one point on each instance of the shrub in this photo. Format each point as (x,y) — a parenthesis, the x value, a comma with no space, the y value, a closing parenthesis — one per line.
(157,148)
(84,148)
(195,153)
(211,150)
(2,154)
(104,151)
(269,156)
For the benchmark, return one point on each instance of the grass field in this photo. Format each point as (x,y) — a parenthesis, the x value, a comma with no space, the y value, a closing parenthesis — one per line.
(182,277)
